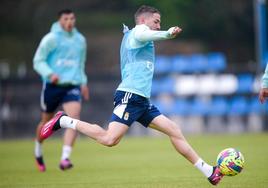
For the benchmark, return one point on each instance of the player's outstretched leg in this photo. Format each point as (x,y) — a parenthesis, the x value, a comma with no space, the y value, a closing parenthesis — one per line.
(165,125)
(109,137)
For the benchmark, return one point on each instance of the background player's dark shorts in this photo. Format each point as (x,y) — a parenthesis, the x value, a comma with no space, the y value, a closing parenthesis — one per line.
(129,107)
(53,95)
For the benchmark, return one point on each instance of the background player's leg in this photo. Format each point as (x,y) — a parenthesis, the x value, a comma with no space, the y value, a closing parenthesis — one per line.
(165,125)
(73,110)
(45,117)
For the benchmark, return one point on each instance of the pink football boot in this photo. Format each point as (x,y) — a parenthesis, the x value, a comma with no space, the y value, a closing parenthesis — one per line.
(216,176)
(40,164)
(65,164)
(51,126)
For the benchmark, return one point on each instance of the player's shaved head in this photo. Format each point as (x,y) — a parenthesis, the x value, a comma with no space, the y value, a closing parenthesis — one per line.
(145,10)
(149,16)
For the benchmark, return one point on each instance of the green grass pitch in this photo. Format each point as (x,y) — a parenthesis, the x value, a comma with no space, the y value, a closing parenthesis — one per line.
(135,162)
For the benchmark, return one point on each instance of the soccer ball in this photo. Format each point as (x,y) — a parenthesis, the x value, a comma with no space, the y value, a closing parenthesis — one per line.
(230,161)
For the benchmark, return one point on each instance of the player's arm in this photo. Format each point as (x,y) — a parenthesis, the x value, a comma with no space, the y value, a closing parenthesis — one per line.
(47,44)
(144,34)
(264,90)
(84,87)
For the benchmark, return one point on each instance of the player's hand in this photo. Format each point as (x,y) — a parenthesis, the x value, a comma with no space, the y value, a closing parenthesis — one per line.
(263,95)
(54,78)
(85,92)
(174,31)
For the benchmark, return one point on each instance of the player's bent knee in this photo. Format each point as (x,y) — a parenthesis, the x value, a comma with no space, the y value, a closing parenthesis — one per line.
(111,144)
(110,141)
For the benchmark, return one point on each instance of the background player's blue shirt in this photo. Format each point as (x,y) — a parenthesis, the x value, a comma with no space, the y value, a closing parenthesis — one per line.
(62,53)
(137,57)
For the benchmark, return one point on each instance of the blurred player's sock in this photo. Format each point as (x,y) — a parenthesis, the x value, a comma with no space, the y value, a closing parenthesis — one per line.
(65,163)
(67,122)
(66,152)
(206,169)
(37,149)
(38,156)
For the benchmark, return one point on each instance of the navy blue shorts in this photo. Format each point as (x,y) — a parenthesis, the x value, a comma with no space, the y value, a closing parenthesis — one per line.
(129,107)
(53,95)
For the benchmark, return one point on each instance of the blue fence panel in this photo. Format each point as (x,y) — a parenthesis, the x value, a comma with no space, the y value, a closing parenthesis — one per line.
(216,62)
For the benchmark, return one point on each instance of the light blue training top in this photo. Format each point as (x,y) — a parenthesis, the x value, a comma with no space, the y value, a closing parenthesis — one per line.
(62,53)
(137,57)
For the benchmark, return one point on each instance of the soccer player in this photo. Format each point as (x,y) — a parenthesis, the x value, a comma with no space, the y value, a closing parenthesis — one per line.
(131,99)
(60,61)
(264,88)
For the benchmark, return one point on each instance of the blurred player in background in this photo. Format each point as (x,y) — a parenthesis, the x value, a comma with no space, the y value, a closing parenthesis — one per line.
(60,61)
(264,87)
(132,96)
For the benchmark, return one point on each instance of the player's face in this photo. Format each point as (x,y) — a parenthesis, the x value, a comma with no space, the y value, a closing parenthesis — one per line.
(153,21)
(67,22)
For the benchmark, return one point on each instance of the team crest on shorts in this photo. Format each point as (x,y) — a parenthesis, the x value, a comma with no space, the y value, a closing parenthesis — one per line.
(126,116)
